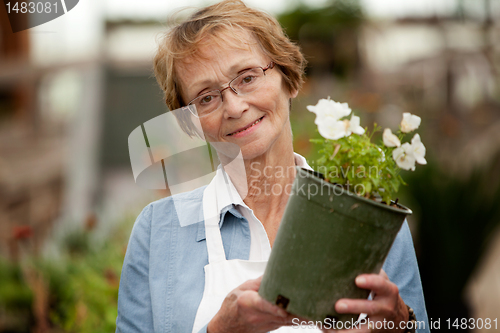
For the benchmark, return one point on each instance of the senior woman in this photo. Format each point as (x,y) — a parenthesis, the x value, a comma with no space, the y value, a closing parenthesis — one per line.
(240,71)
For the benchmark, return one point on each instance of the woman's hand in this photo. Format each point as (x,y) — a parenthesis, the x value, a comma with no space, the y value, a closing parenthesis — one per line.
(244,310)
(387,306)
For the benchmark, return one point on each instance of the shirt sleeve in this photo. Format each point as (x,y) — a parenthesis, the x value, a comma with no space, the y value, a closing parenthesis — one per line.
(134,298)
(402,268)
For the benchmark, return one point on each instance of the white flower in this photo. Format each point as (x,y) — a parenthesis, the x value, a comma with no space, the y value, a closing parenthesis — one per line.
(410,122)
(332,129)
(404,157)
(390,140)
(326,108)
(418,149)
(352,126)
(328,115)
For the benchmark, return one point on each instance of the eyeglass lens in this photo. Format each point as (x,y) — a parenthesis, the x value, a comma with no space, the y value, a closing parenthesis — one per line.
(243,84)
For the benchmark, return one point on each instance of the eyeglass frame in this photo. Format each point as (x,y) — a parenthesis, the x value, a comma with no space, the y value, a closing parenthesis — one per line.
(264,69)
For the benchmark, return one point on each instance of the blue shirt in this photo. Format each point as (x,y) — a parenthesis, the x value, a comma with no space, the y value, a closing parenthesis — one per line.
(162,278)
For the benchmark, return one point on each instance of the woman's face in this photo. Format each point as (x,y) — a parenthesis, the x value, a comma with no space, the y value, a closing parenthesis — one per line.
(257,122)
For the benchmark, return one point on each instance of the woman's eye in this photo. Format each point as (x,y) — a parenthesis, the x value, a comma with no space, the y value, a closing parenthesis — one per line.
(247,79)
(206,99)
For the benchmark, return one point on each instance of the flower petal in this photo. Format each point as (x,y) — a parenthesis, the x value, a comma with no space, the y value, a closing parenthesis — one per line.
(404,159)
(328,107)
(416,139)
(390,140)
(410,122)
(418,149)
(332,129)
(354,126)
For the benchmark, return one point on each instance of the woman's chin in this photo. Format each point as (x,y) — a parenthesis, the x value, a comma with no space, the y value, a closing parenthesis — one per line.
(254,150)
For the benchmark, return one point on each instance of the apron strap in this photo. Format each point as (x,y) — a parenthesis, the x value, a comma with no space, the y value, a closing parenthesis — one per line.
(211,215)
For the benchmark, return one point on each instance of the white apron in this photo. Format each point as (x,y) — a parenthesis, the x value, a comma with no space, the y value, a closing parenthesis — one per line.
(222,275)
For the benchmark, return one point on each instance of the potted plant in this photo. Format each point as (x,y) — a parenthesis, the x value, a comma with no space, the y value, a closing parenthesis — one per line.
(340,221)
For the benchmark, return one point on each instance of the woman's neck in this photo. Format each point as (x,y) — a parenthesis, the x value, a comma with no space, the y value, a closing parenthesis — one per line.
(269,178)
(265,182)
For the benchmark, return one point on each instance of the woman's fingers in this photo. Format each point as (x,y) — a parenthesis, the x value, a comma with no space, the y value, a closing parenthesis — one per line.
(243,310)
(386,296)
(386,306)
(379,284)
(360,306)
(251,299)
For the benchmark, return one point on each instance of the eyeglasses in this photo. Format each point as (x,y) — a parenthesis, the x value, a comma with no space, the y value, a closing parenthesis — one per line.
(245,83)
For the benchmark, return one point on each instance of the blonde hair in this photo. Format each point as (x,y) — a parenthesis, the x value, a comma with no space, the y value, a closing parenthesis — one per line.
(183,40)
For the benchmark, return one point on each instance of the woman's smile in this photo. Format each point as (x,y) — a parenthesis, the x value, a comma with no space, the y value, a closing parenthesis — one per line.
(241,132)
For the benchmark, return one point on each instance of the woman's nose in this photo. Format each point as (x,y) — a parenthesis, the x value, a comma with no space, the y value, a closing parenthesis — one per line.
(233,104)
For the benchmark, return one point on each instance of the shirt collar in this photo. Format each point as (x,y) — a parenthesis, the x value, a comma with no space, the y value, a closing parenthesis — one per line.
(301,162)
(228,196)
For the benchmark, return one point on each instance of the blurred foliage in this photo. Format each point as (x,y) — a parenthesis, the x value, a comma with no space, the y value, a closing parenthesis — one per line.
(80,287)
(327,35)
(321,23)
(456,219)
(15,298)
(84,289)
(14,294)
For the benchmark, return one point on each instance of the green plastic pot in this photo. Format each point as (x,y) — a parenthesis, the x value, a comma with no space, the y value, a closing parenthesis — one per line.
(327,237)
